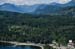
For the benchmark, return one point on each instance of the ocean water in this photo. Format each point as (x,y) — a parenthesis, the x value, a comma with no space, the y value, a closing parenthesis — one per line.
(17,47)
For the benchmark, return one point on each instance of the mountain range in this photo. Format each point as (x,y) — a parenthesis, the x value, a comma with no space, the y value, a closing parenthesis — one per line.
(36,9)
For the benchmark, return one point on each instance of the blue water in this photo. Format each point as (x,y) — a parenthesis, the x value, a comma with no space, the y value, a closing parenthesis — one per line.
(18,47)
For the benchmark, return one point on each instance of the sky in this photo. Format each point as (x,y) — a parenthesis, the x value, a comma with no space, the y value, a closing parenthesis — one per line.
(32,2)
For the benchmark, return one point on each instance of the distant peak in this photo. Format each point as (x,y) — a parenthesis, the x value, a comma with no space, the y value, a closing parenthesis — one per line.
(6,4)
(54,3)
(73,0)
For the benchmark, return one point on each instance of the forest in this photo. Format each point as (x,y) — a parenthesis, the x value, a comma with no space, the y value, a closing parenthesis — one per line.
(23,27)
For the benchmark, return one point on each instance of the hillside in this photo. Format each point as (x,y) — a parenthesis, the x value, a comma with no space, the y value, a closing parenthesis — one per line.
(38,29)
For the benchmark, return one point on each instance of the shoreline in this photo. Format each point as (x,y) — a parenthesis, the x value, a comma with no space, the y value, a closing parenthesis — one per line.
(14,44)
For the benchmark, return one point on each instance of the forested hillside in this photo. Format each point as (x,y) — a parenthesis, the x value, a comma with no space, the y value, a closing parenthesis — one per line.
(36,28)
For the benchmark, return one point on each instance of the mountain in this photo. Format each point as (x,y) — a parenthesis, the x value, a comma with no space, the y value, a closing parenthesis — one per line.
(71,3)
(9,7)
(18,8)
(47,9)
(53,8)
(70,11)
(37,8)
(28,9)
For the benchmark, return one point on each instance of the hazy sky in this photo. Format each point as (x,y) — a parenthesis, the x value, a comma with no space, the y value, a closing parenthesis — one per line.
(32,2)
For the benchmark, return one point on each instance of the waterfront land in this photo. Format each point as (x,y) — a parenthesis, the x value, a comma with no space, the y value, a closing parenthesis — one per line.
(36,28)
(22,44)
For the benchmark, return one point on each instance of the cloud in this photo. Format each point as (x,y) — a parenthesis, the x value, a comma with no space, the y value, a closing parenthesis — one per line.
(31,2)
(63,1)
